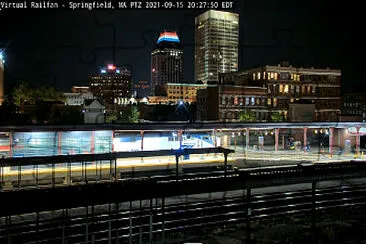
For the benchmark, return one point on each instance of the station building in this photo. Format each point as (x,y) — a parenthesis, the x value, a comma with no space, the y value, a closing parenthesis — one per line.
(347,138)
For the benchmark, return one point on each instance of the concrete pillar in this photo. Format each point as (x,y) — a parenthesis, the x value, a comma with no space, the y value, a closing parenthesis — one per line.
(215,137)
(59,140)
(180,137)
(112,139)
(92,142)
(339,138)
(305,137)
(235,141)
(142,140)
(247,138)
(277,132)
(357,141)
(331,140)
(11,134)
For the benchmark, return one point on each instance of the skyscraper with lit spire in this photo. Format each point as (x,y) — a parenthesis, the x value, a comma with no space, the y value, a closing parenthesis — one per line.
(166,63)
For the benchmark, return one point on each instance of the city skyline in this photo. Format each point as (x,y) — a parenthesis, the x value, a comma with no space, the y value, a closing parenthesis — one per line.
(55,49)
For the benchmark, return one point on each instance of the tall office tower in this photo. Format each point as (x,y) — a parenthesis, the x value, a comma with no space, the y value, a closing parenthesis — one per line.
(112,84)
(216,45)
(166,63)
(1,77)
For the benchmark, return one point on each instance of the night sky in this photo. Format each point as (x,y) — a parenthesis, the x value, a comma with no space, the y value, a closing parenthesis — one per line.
(63,47)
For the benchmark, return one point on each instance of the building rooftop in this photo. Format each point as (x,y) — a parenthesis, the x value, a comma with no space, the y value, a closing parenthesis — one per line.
(168,37)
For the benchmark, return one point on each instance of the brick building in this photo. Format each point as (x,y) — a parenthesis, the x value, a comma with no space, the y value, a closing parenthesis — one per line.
(185,92)
(225,102)
(286,85)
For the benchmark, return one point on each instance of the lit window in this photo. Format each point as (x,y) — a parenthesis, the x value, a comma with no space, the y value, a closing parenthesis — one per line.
(281,88)
(247,101)
(275,76)
(309,89)
(252,100)
(235,100)
(272,75)
(253,76)
(274,102)
(286,89)
(264,75)
(292,100)
(269,101)
(259,75)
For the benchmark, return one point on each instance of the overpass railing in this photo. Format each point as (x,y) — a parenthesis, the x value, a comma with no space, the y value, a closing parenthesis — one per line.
(84,168)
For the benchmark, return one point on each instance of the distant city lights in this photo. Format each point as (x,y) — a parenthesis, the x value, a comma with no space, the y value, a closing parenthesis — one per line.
(111,67)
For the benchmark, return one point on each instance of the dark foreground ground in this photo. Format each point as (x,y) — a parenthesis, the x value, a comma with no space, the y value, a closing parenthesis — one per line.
(338,226)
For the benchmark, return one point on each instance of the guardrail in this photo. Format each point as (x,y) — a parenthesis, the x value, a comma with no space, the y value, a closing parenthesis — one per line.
(156,221)
(168,186)
(47,160)
(62,168)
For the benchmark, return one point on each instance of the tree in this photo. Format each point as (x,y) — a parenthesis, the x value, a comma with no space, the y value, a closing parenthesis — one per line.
(134,116)
(247,116)
(129,115)
(49,93)
(111,117)
(277,117)
(23,93)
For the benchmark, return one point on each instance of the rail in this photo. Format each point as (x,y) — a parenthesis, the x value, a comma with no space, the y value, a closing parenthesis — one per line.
(156,220)
(49,160)
(158,186)
(64,170)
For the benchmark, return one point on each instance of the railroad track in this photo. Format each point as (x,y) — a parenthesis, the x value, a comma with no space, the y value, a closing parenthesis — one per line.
(130,222)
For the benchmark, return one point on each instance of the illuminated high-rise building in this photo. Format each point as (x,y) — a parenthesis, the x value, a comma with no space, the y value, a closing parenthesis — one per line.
(166,63)
(216,45)
(1,77)
(111,84)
